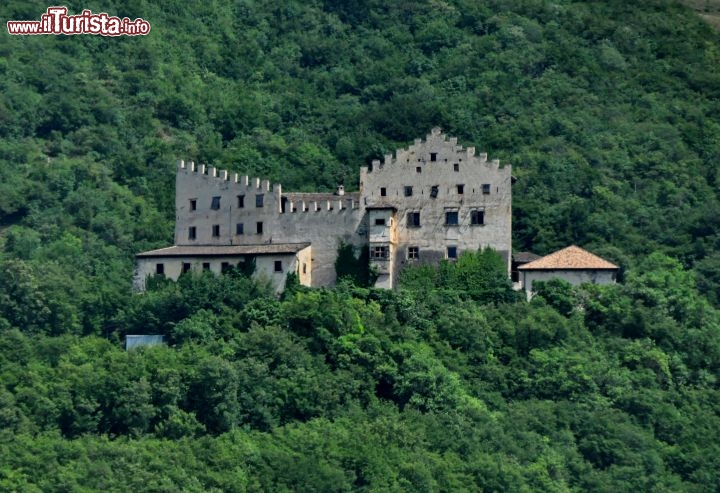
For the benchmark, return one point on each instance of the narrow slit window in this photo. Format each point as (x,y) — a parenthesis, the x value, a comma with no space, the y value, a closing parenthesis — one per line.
(193,204)
(192,233)
(216,230)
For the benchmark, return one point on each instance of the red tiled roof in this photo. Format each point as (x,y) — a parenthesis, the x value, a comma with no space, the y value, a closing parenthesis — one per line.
(572,257)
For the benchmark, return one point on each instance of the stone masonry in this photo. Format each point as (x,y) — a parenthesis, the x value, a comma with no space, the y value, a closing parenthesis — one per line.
(428,202)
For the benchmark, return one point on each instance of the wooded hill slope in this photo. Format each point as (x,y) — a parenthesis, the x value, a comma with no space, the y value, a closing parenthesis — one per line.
(608,112)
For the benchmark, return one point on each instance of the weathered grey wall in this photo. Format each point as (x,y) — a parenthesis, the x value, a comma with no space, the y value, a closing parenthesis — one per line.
(264,267)
(434,236)
(575,277)
(324,223)
(326,220)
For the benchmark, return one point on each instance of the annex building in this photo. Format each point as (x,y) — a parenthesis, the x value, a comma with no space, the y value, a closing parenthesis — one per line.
(430,201)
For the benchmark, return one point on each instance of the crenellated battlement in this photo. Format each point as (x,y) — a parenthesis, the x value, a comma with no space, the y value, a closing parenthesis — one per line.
(437,147)
(242,181)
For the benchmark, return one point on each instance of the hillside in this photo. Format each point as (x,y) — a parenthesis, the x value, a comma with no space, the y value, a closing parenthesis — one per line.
(609,113)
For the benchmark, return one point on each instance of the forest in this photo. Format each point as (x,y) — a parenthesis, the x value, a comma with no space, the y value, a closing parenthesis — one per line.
(609,113)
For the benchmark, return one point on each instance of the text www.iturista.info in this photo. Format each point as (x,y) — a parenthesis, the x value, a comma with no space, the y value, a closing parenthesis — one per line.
(56,21)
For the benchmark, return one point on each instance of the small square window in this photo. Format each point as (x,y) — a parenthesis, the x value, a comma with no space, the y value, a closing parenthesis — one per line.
(259,228)
(408,191)
(216,230)
(413,219)
(456,167)
(239,229)
(278,266)
(460,189)
(433,156)
(383,191)
(418,169)
(413,253)
(452,252)
(206,265)
(434,191)
(379,252)
(224,267)
(193,204)
(215,203)
(486,189)
(259,200)
(192,233)
(186,267)
(477,217)
(451,218)
(379,221)
(240,201)
(160,269)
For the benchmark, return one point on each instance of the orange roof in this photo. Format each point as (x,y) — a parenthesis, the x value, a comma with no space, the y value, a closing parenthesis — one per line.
(572,257)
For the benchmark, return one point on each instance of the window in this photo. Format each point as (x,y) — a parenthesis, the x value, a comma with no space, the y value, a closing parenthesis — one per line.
(418,169)
(224,267)
(192,233)
(477,217)
(379,221)
(186,267)
(239,229)
(486,189)
(452,252)
(433,156)
(408,191)
(451,218)
(215,203)
(434,191)
(456,167)
(379,252)
(259,228)
(460,189)
(160,269)
(259,200)
(413,253)
(304,268)
(206,265)
(241,201)
(278,266)
(413,219)
(216,230)
(193,204)
(383,191)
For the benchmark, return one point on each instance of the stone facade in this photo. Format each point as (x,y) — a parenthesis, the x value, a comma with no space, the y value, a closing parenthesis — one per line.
(431,201)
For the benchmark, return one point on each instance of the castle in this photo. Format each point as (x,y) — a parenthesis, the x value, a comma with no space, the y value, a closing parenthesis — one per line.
(429,202)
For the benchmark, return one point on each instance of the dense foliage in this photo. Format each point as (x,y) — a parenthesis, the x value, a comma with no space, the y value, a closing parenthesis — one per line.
(608,112)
